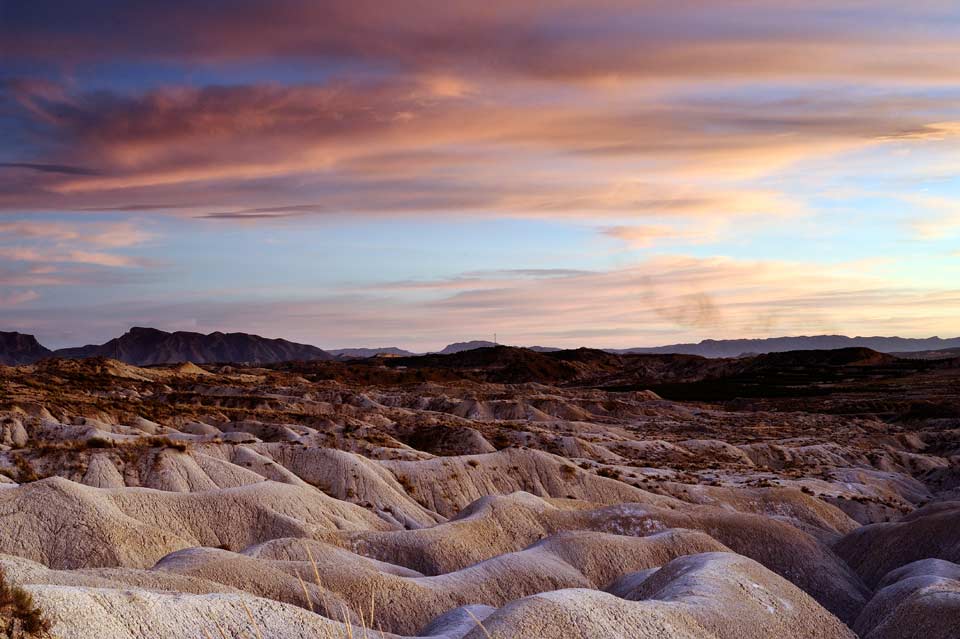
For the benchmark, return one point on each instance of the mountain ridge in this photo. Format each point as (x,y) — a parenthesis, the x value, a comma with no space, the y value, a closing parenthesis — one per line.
(20,348)
(363,352)
(459,347)
(147,346)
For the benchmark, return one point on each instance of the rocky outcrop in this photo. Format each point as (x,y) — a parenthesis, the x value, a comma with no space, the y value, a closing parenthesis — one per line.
(18,348)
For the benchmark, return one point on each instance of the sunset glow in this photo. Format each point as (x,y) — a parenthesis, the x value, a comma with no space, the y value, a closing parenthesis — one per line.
(607,173)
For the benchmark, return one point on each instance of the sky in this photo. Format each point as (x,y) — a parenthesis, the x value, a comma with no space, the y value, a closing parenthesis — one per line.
(609,173)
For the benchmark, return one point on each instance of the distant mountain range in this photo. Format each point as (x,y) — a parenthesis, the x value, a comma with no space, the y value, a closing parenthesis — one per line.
(739,347)
(361,353)
(147,346)
(459,347)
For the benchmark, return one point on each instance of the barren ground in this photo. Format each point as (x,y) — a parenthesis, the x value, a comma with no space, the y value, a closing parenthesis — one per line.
(498,493)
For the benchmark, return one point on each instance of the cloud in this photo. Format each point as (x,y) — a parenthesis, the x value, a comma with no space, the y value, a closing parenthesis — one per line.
(116,235)
(933,217)
(241,215)
(936,131)
(531,273)
(37,230)
(120,235)
(48,246)
(711,225)
(474,280)
(599,40)
(48,168)
(642,236)
(395,147)
(16,298)
(95,258)
(575,108)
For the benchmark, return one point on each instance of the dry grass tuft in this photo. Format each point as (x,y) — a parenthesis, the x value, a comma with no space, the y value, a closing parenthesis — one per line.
(19,616)
(349,631)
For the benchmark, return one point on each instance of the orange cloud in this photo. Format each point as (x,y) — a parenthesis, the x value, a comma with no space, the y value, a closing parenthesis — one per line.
(346,147)
(642,236)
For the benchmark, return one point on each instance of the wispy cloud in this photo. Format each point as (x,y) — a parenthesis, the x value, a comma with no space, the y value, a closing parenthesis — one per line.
(70,257)
(933,217)
(395,148)
(48,168)
(116,235)
(646,236)
(49,254)
(16,298)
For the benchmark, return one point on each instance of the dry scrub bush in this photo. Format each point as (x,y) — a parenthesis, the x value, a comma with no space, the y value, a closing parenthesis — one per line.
(19,616)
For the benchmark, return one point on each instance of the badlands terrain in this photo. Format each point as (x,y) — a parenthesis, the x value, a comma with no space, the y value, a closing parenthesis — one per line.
(497,492)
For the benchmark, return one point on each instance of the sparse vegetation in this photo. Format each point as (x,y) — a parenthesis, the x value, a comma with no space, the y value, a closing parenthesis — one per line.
(19,615)
(167,442)
(609,473)
(25,470)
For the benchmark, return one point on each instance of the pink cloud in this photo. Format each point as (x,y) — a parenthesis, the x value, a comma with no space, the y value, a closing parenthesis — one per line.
(17,298)
(47,246)
(344,147)
(96,258)
(115,235)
